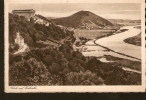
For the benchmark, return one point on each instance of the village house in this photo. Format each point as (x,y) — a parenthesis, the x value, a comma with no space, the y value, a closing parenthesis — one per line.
(47,24)
(40,21)
(26,13)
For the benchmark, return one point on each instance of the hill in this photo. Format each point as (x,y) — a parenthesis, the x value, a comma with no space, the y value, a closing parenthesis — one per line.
(38,28)
(47,65)
(125,22)
(83,20)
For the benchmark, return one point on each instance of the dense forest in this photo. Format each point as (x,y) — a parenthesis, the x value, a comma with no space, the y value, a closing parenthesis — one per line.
(46,65)
(33,32)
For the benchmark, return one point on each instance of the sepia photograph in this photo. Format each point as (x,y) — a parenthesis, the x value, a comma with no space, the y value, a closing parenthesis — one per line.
(74,46)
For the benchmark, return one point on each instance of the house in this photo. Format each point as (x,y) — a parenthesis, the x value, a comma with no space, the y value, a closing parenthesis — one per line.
(47,24)
(27,13)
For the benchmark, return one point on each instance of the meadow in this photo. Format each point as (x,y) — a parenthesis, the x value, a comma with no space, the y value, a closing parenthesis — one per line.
(92,34)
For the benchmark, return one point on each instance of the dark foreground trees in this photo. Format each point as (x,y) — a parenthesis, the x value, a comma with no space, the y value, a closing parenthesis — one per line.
(82,78)
(31,72)
(58,66)
(41,67)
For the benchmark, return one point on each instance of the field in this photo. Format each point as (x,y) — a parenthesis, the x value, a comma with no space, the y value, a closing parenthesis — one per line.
(135,65)
(92,34)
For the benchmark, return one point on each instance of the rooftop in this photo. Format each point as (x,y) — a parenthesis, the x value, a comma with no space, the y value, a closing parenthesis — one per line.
(26,10)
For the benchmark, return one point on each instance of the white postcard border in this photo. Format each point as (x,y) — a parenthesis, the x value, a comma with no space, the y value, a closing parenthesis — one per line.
(27,89)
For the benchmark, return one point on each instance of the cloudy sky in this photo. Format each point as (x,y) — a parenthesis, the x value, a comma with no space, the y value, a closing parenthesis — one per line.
(106,10)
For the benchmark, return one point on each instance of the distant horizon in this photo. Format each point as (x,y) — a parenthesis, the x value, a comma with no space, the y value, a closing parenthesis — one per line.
(131,11)
(90,11)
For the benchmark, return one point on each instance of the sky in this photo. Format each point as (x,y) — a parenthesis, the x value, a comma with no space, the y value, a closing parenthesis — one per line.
(105,10)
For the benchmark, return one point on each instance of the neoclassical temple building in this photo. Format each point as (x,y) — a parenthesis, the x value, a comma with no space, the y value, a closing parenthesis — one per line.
(27,13)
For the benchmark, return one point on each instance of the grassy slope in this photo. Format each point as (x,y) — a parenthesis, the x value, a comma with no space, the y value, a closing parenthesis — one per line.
(125,63)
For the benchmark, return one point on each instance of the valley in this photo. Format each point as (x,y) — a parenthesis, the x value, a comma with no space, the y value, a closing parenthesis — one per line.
(107,45)
(92,34)
(86,55)
(116,42)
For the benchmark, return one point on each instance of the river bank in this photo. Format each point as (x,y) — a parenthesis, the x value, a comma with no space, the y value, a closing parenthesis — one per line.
(127,63)
(117,44)
(127,60)
(99,50)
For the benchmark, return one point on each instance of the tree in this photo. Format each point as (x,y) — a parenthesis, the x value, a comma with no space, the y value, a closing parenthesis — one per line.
(79,56)
(34,37)
(93,64)
(48,60)
(82,78)
(53,54)
(60,54)
(63,62)
(72,65)
(68,56)
(31,20)
(27,72)
(55,68)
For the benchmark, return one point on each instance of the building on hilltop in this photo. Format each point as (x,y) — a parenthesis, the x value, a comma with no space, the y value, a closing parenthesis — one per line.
(27,13)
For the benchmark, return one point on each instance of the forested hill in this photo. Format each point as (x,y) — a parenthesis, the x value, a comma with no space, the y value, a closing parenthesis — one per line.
(58,66)
(33,30)
(83,19)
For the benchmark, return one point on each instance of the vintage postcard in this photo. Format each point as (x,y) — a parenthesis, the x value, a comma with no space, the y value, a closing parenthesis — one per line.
(74,46)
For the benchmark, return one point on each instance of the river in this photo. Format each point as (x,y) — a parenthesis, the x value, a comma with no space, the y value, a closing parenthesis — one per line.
(115,42)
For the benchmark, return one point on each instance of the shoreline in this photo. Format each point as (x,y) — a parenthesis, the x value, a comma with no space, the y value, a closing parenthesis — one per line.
(124,68)
(116,43)
(93,43)
(115,51)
